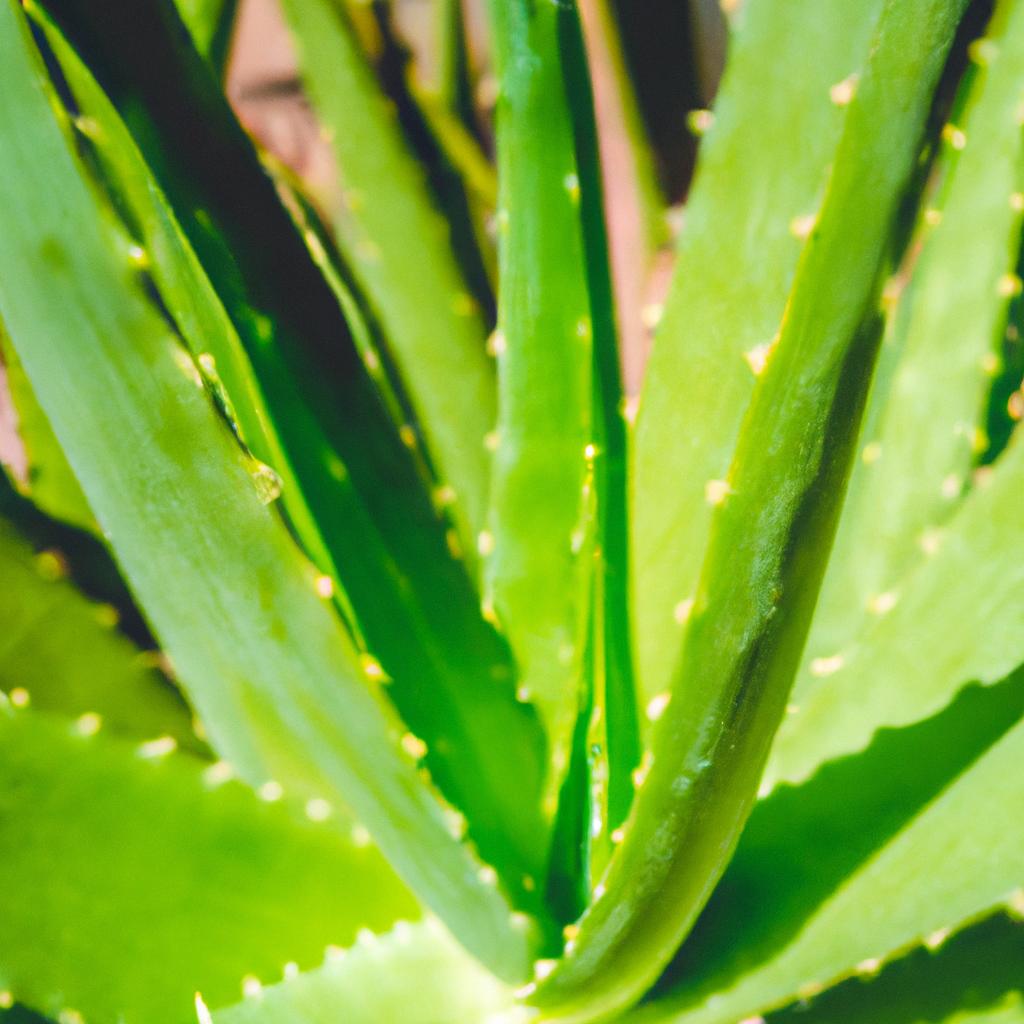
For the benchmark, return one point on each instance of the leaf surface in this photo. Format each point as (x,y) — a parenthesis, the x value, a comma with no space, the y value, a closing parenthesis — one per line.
(735,264)
(769,544)
(914,659)
(272,672)
(121,913)
(414,974)
(538,545)
(451,677)
(922,433)
(399,247)
(886,905)
(62,652)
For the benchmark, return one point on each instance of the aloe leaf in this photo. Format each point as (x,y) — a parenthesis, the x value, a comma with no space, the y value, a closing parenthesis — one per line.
(62,652)
(398,246)
(537,549)
(451,82)
(210,22)
(188,293)
(50,482)
(451,677)
(795,851)
(613,740)
(736,260)
(922,431)
(967,589)
(973,978)
(121,914)
(471,183)
(272,672)
(887,904)
(769,544)
(415,974)
(81,556)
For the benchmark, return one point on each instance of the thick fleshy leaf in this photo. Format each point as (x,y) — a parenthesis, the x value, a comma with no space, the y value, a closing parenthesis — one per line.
(131,877)
(414,974)
(398,245)
(975,977)
(538,545)
(791,68)
(770,540)
(210,23)
(451,677)
(50,483)
(268,664)
(959,618)
(878,907)
(922,430)
(62,653)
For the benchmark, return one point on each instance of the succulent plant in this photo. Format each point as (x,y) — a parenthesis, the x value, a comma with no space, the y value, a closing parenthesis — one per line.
(371,654)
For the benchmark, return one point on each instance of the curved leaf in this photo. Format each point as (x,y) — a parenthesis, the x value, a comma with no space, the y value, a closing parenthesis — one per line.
(413,974)
(735,264)
(769,544)
(268,665)
(129,879)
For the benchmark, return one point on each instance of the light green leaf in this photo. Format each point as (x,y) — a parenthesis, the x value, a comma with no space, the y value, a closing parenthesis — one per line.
(50,482)
(62,653)
(974,978)
(210,23)
(414,974)
(922,432)
(264,658)
(537,549)
(399,247)
(129,880)
(451,677)
(884,906)
(736,260)
(769,543)
(610,740)
(796,851)
(958,618)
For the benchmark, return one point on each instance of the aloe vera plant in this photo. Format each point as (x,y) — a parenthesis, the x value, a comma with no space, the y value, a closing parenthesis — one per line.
(368,653)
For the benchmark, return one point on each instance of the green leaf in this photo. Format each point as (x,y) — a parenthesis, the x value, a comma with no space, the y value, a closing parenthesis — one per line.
(922,431)
(122,914)
(414,974)
(611,742)
(736,260)
(451,676)
(450,82)
(770,540)
(264,658)
(50,482)
(884,905)
(210,23)
(974,978)
(80,555)
(537,550)
(796,851)
(968,589)
(61,652)
(399,248)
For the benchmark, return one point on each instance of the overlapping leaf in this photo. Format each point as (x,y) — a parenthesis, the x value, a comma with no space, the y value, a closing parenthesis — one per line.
(130,879)
(268,664)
